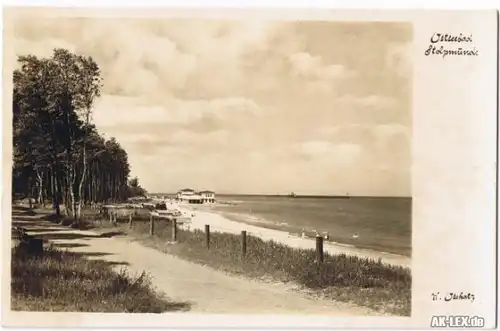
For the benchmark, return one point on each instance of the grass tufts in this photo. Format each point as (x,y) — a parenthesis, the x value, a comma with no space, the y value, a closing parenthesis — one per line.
(367,282)
(65,281)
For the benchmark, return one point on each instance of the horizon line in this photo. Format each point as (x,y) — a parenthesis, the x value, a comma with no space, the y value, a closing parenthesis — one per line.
(297,195)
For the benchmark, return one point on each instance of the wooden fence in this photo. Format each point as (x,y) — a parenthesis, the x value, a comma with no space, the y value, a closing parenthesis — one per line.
(243,243)
(35,245)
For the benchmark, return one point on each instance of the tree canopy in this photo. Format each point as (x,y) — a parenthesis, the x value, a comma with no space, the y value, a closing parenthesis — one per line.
(59,154)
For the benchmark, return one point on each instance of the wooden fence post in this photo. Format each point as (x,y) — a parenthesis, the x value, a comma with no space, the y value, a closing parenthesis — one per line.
(151,224)
(319,249)
(207,235)
(129,220)
(243,243)
(174,230)
(110,216)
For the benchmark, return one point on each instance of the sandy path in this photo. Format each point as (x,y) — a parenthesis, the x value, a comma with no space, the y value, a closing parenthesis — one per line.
(208,290)
(219,223)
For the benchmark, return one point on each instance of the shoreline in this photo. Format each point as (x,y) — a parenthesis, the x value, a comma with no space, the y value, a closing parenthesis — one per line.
(220,223)
(294,232)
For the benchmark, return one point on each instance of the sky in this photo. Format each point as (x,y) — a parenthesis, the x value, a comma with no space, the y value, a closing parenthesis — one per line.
(251,106)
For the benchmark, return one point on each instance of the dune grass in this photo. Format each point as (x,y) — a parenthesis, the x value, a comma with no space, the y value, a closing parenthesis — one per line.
(64,281)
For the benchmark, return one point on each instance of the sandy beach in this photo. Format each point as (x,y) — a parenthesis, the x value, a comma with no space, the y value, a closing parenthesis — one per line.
(219,223)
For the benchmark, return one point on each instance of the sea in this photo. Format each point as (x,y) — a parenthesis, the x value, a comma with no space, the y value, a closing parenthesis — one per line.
(377,223)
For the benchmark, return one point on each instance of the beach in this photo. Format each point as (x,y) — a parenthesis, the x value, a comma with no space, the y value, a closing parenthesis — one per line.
(219,223)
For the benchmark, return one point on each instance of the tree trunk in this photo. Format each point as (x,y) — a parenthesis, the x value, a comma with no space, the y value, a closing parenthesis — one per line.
(67,203)
(56,193)
(73,196)
(52,186)
(82,180)
(39,177)
(95,183)
(70,198)
(78,209)
(92,190)
(32,193)
(71,202)
(109,194)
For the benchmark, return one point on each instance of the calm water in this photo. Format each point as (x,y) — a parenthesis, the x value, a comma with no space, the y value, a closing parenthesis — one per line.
(378,223)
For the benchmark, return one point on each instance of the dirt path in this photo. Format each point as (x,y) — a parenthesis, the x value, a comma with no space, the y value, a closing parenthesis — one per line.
(207,290)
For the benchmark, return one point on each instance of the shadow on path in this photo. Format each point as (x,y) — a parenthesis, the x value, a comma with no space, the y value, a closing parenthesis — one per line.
(95,253)
(74,235)
(34,231)
(33,223)
(114,263)
(63,246)
(50,231)
(68,245)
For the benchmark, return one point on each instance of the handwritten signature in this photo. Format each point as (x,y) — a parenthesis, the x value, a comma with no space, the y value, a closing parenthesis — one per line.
(452,296)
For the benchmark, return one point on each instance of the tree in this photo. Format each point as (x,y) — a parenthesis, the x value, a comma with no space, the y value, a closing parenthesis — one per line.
(135,190)
(77,84)
(37,140)
(57,150)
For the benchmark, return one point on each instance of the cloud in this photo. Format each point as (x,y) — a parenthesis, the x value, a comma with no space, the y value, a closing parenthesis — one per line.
(43,48)
(385,146)
(326,151)
(363,132)
(190,138)
(116,110)
(112,110)
(369,101)
(152,56)
(313,67)
(354,133)
(143,138)
(261,105)
(135,61)
(392,129)
(400,58)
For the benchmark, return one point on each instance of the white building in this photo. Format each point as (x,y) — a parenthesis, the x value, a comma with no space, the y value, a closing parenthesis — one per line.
(185,194)
(207,196)
(191,196)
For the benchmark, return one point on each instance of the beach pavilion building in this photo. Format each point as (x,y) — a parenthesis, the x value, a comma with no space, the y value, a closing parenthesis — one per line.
(188,195)
(191,196)
(207,196)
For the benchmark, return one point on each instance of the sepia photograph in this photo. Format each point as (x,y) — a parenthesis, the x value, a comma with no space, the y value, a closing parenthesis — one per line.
(268,156)
(211,165)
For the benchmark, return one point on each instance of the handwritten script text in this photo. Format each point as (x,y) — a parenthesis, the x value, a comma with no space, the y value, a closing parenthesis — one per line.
(443,44)
(452,296)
